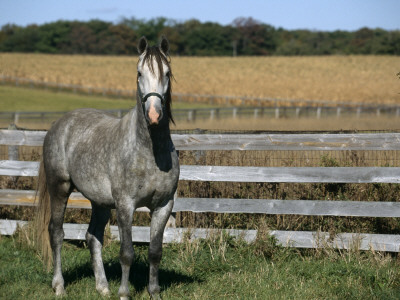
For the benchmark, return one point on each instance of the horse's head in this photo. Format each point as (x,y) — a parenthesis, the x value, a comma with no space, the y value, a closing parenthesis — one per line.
(154,81)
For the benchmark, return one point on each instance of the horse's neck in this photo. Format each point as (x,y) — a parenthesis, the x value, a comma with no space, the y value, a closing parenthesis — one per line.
(161,138)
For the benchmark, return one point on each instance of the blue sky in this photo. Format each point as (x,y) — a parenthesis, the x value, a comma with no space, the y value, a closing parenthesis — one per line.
(289,14)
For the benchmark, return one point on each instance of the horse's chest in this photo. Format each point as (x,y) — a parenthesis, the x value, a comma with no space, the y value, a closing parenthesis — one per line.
(156,182)
(151,182)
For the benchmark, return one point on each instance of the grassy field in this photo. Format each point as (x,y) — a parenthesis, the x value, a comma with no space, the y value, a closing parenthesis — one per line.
(217,268)
(26,99)
(370,79)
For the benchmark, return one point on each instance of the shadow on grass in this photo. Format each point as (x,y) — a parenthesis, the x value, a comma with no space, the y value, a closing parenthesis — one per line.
(138,277)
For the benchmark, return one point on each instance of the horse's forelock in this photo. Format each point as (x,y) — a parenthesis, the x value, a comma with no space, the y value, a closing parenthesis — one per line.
(160,59)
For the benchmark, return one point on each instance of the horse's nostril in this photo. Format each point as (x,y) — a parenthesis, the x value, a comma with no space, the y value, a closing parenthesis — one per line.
(160,116)
(153,115)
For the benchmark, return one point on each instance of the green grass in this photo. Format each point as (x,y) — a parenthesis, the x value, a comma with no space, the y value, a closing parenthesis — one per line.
(218,268)
(26,99)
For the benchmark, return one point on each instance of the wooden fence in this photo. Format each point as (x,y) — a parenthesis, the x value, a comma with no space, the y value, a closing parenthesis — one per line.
(301,239)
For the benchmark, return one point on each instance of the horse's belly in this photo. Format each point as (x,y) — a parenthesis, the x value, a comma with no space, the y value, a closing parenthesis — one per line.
(97,191)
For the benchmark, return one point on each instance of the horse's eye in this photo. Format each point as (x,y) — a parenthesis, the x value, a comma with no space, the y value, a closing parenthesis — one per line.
(139,74)
(168,74)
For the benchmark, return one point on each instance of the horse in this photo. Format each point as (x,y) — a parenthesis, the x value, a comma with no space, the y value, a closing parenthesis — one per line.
(122,163)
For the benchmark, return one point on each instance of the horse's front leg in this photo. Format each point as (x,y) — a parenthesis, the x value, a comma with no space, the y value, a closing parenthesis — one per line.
(159,219)
(124,218)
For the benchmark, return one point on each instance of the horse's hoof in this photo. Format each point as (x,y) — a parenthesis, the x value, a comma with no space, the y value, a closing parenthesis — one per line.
(59,290)
(124,298)
(155,296)
(104,292)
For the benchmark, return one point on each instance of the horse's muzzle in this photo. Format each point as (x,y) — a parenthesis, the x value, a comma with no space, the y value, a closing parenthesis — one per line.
(153,116)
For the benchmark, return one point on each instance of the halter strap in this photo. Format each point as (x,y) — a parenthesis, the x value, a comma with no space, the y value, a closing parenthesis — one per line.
(145,97)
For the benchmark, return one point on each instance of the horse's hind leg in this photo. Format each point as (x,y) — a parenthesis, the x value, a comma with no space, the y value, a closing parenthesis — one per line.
(94,238)
(59,194)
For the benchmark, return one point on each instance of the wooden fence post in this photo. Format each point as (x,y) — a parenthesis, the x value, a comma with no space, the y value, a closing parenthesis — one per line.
(255,113)
(276,112)
(192,115)
(199,155)
(338,112)
(359,111)
(319,112)
(234,112)
(16,118)
(13,151)
(298,109)
(212,114)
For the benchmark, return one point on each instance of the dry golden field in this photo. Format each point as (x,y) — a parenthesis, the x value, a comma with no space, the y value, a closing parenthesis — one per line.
(368,79)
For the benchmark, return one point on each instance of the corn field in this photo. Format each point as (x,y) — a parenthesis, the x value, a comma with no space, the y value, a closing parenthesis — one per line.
(364,79)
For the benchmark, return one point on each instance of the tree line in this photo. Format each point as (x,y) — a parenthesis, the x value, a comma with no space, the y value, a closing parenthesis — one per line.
(244,36)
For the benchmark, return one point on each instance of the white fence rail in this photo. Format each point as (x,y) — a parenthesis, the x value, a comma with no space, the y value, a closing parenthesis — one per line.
(251,206)
(354,141)
(381,141)
(251,174)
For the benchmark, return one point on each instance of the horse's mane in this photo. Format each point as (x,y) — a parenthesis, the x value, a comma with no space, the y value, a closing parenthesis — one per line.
(160,58)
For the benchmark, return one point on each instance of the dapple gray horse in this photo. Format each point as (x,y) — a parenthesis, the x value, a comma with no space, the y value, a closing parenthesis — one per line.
(116,163)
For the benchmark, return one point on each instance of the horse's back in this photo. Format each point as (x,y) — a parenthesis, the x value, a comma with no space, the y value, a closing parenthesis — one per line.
(81,121)
(77,126)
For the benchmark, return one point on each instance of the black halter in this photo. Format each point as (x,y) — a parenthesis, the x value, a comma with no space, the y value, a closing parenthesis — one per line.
(143,98)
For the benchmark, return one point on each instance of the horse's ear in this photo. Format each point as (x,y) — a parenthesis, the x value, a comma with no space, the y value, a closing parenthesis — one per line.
(164,45)
(142,46)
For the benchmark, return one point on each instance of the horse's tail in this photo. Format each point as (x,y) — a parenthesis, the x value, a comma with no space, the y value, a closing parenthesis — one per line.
(42,218)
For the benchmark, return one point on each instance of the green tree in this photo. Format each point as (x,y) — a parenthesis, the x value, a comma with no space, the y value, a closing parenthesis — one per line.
(245,36)
(254,37)
(206,39)
(19,39)
(52,36)
(151,29)
(81,39)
